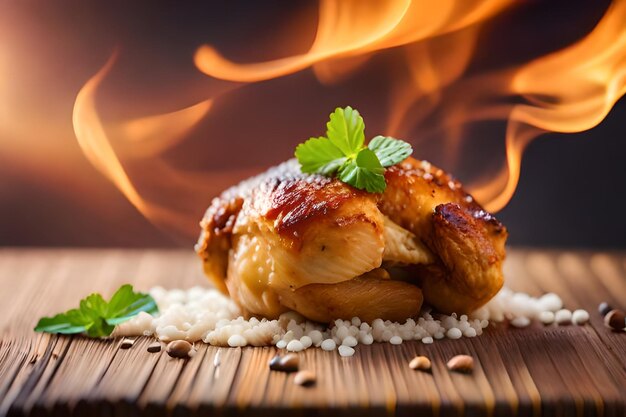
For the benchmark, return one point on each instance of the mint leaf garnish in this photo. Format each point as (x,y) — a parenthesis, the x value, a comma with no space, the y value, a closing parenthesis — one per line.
(319,155)
(364,172)
(96,317)
(343,153)
(390,151)
(346,130)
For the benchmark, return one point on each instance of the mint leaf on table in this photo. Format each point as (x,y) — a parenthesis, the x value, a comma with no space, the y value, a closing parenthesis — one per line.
(126,304)
(93,308)
(343,153)
(96,317)
(70,322)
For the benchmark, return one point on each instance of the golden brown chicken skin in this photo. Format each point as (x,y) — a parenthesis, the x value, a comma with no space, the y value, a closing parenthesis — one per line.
(468,242)
(286,240)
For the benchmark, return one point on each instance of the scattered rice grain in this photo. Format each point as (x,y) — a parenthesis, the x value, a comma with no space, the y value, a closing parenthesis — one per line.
(295,346)
(395,340)
(520,322)
(563,316)
(237,340)
(469,332)
(316,337)
(551,302)
(207,315)
(349,341)
(306,341)
(454,333)
(546,317)
(346,350)
(580,317)
(328,344)
(367,339)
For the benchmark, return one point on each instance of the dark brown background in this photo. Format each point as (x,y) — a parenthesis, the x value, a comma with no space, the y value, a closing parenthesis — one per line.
(571,192)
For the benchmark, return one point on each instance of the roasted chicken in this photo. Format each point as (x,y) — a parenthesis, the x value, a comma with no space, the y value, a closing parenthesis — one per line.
(284,240)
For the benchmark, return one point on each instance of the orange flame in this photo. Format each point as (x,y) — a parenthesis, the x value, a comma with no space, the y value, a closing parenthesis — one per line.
(355,28)
(160,132)
(431,66)
(567,91)
(352,30)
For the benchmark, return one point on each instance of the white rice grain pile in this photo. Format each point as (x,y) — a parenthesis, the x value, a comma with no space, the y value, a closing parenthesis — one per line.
(206,314)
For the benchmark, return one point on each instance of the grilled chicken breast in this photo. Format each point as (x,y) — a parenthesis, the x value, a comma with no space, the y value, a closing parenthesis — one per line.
(287,240)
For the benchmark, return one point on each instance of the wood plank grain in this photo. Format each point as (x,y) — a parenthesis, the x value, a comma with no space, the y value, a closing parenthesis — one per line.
(545,370)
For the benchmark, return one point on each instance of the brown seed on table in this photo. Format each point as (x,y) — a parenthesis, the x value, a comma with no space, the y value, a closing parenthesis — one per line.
(287,363)
(604,308)
(421,363)
(290,362)
(154,347)
(615,319)
(461,363)
(304,378)
(126,343)
(179,349)
(274,363)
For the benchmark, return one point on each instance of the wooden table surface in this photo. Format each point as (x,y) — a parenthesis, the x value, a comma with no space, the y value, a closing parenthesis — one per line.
(567,370)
